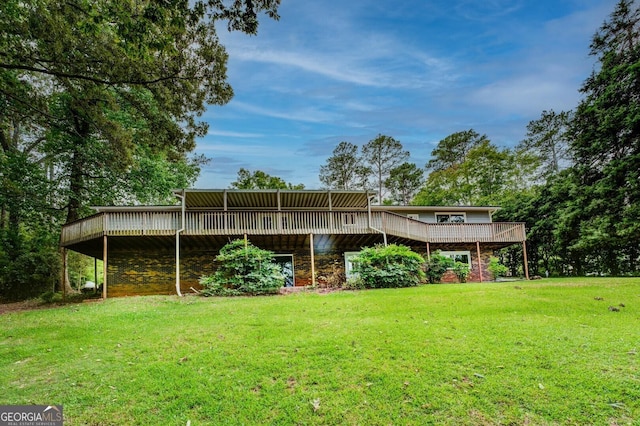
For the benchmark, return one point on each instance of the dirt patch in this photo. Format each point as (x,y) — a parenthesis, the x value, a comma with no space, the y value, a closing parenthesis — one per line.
(34,304)
(26,305)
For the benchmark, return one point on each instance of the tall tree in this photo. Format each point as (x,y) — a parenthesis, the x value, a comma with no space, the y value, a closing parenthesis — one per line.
(403,182)
(382,155)
(345,169)
(454,149)
(548,139)
(261,180)
(483,176)
(100,103)
(163,63)
(606,144)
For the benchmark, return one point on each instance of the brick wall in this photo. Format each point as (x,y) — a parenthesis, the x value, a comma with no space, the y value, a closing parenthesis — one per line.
(153,272)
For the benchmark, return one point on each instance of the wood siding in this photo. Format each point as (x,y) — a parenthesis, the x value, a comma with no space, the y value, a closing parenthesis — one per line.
(154,223)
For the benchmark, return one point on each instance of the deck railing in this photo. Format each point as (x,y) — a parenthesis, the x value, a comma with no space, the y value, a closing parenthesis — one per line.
(285,222)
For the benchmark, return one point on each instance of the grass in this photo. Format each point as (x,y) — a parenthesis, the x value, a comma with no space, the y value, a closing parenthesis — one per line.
(540,352)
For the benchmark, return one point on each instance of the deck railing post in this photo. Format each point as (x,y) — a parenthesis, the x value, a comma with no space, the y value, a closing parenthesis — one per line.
(313,262)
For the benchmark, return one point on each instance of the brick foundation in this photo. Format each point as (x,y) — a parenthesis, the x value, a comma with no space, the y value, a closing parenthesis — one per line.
(141,272)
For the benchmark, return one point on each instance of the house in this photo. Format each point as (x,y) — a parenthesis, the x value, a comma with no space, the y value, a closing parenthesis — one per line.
(166,249)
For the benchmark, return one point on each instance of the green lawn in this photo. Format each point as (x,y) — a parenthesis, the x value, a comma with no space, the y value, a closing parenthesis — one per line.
(539,352)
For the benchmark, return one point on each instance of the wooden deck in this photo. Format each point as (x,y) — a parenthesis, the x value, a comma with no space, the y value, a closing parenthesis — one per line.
(154,223)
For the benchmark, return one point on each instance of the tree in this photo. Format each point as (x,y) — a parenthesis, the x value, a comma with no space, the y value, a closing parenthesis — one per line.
(261,180)
(159,64)
(548,140)
(453,149)
(100,104)
(382,155)
(403,182)
(483,177)
(606,145)
(345,169)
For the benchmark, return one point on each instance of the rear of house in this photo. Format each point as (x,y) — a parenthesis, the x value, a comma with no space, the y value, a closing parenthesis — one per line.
(166,249)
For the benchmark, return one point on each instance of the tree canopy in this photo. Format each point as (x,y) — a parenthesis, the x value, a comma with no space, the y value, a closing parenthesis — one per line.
(261,180)
(100,103)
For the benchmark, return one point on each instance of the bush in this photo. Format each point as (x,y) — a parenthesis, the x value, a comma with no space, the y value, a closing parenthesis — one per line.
(497,268)
(436,266)
(243,269)
(462,271)
(354,283)
(389,267)
(29,274)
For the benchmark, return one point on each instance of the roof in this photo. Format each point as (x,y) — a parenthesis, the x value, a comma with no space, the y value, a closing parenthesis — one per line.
(274,199)
(416,209)
(284,199)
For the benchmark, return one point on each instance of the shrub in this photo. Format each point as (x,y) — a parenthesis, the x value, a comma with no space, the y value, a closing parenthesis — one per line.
(243,269)
(389,267)
(29,274)
(436,266)
(354,283)
(462,271)
(497,268)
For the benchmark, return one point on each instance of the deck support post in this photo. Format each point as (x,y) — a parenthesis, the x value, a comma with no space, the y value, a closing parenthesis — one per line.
(104,267)
(182,197)
(479,259)
(428,251)
(313,262)
(526,261)
(64,273)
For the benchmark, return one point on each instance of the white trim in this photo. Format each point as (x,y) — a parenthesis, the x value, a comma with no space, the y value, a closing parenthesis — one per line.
(415,216)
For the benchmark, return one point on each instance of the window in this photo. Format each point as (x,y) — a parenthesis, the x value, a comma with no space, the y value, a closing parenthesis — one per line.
(451,218)
(285,261)
(458,256)
(413,216)
(348,265)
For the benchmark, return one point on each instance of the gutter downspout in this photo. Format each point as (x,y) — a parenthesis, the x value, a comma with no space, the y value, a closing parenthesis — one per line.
(178,231)
(384,234)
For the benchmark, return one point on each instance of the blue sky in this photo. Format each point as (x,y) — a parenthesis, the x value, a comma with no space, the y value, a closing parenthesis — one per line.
(332,71)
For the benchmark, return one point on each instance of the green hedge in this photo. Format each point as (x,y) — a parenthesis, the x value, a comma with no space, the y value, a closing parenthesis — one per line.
(388,267)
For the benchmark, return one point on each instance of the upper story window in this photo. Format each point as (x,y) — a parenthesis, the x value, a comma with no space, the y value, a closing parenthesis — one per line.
(451,218)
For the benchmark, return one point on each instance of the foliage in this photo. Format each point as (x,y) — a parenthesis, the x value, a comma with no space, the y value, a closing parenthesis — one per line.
(345,169)
(100,104)
(261,180)
(389,267)
(436,266)
(548,140)
(496,268)
(354,283)
(335,278)
(462,271)
(403,182)
(484,176)
(383,154)
(243,269)
(606,146)
(29,274)
(453,149)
